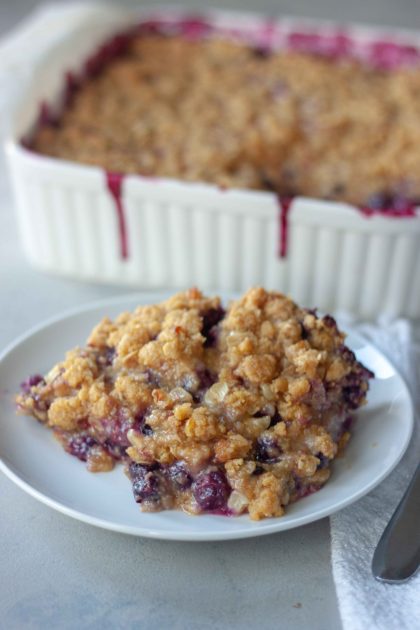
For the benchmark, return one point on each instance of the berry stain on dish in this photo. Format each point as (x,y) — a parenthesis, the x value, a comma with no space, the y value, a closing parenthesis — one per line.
(228,410)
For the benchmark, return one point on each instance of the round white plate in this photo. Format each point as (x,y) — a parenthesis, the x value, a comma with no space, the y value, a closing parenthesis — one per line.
(34,460)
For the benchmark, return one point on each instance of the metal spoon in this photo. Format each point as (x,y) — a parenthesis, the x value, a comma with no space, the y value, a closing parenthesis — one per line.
(397,556)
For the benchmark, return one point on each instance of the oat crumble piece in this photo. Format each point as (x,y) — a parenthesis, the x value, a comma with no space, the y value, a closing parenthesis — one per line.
(211,410)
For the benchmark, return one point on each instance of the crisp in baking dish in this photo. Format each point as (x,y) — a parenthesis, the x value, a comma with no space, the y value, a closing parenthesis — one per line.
(81,221)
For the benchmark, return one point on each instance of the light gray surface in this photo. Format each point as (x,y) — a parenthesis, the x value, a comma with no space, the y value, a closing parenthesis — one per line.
(59,573)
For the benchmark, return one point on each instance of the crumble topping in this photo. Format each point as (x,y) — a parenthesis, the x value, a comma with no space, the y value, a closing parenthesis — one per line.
(220,111)
(211,410)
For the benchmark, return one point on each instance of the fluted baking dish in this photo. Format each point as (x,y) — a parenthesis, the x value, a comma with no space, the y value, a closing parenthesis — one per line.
(80,222)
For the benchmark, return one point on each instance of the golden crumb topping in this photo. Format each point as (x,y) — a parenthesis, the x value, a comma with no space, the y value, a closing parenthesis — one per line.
(218,111)
(233,410)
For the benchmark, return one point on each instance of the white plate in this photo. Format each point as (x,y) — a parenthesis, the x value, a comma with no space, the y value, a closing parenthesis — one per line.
(34,460)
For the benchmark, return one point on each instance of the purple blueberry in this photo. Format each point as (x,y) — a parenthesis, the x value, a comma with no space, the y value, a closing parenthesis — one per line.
(209,329)
(261,52)
(179,475)
(116,451)
(347,354)
(329,321)
(115,429)
(152,378)
(353,396)
(206,380)
(80,445)
(304,333)
(275,419)
(267,450)
(323,461)
(141,425)
(31,381)
(106,357)
(353,390)
(145,482)
(380,201)
(211,490)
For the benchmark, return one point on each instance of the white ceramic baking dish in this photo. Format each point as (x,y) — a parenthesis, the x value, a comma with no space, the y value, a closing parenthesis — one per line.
(165,233)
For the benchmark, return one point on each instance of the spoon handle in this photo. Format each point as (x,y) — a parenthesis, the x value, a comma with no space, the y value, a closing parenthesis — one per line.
(397,556)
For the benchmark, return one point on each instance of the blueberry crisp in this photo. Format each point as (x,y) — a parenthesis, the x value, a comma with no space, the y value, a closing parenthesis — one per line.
(217,110)
(210,410)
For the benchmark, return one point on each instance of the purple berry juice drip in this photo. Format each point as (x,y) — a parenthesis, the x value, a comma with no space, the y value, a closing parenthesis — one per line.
(285,205)
(114,183)
(115,47)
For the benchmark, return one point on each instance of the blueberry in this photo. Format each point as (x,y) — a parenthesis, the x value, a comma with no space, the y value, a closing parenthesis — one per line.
(80,445)
(347,354)
(329,321)
(179,475)
(353,396)
(152,378)
(31,381)
(141,425)
(211,490)
(275,419)
(145,482)
(115,429)
(304,333)
(116,451)
(209,329)
(106,357)
(380,201)
(261,52)
(267,450)
(323,461)
(354,386)
(206,380)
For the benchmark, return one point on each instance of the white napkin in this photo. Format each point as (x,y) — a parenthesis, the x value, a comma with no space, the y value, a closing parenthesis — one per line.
(364,603)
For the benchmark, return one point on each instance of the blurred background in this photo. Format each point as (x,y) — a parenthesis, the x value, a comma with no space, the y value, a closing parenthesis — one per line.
(387,12)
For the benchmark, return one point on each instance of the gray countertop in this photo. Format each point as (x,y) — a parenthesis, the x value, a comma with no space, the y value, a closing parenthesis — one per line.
(60,573)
